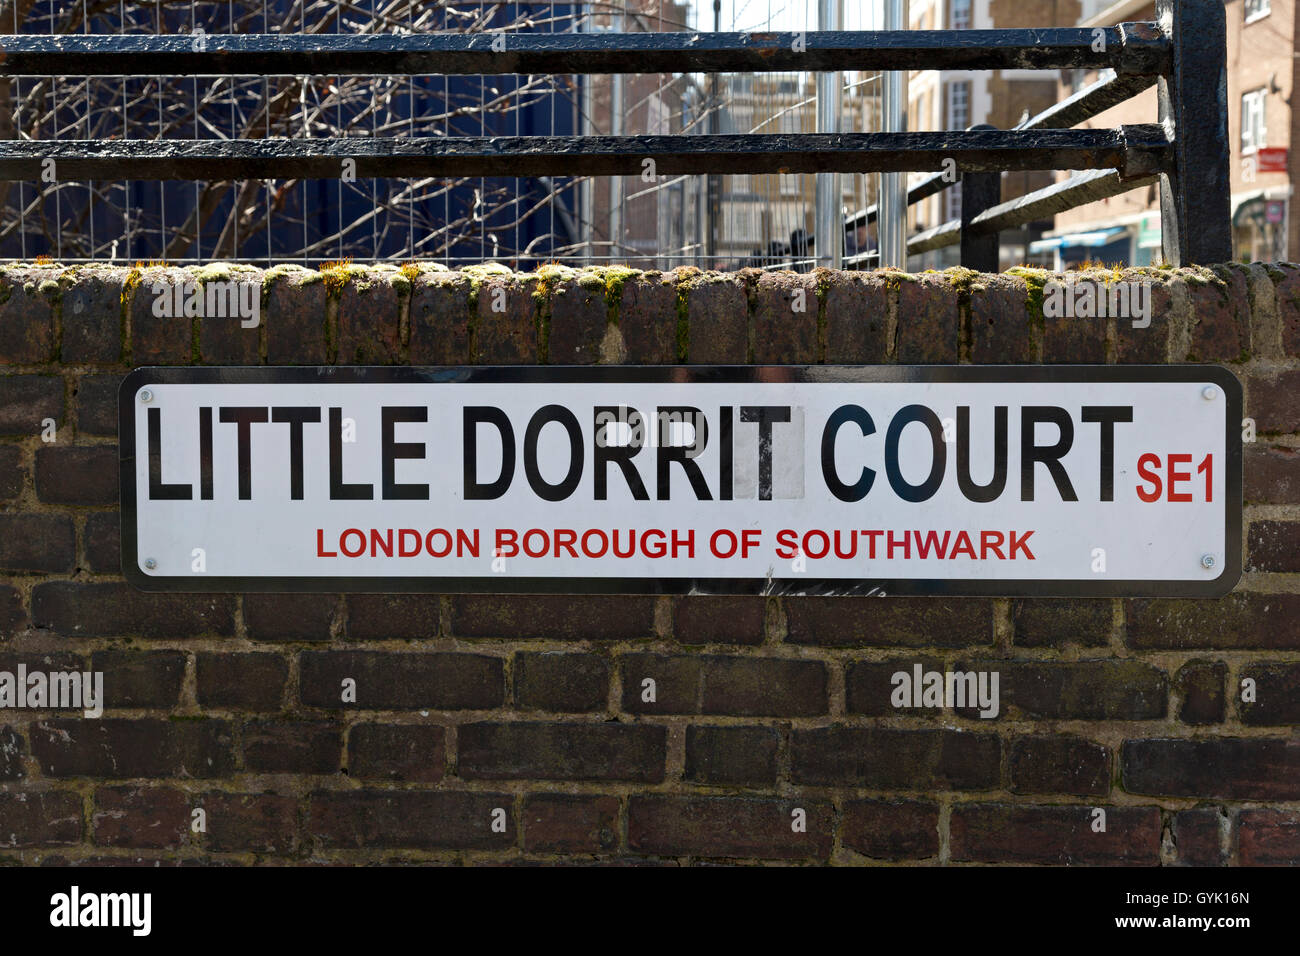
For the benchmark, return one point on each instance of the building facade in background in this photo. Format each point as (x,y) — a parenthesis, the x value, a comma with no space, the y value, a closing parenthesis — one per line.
(1262,64)
(957,99)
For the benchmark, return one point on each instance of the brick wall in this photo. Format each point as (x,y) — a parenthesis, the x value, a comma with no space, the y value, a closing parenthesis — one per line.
(529,705)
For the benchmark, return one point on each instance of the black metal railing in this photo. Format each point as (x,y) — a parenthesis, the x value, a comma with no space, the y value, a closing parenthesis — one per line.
(1183,51)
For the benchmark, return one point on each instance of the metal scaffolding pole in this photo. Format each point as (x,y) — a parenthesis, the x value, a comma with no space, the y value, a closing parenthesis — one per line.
(891,225)
(828,232)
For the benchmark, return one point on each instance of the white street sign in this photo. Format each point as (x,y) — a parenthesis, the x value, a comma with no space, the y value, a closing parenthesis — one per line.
(1072,480)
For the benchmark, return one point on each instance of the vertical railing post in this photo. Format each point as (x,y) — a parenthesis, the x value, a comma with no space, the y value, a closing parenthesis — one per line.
(979,191)
(1195,192)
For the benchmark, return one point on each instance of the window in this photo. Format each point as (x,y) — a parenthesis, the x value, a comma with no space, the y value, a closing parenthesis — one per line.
(959,104)
(1254,135)
(791,184)
(952,201)
(1255,10)
(960,14)
(742,184)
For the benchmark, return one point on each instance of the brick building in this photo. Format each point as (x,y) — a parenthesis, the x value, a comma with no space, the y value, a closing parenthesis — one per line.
(1261,76)
(958,99)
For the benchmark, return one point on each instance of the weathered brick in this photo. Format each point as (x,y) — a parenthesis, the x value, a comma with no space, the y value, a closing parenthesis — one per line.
(890,622)
(418,819)
(732,756)
(102,540)
(1078,339)
(1277,693)
(782,335)
(719,620)
(440,319)
(1199,685)
(142,817)
(12,474)
(226,340)
(1002,327)
(1273,400)
(561,682)
(1052,622)
(1273,546)
(717,311)
(1270,474)
(1059,763)
(27,297)
(1287,287)
(27,400)
(728,827)
(869,686)
(1149,345)
(140,678)
(1239,621)
(13,618)
(740,686)
(40,818)
(118,748)
(1196,838)
(405,752)
(508,337)
(887,759)
(369,313)
(557,617)
(113,609)
(891,829)
(1268,837)
(1221,317)
(249,822)
(77,475)
(566,823)
(13,748)
(96,397)
(648,319)
(398,681)
(159,340)
(578,319)
(295,316)
(393,617)
(605,751)
(856,309)
(1235,768)
(297,746)
(282,618)
(246,681)
(1079,690)
(37,542)
(1000,833)
(927,320)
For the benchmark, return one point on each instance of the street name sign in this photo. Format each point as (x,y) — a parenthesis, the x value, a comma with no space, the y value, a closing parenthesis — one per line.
(849,480)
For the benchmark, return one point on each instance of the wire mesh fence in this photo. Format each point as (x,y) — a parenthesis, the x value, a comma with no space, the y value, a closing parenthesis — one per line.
(712,221)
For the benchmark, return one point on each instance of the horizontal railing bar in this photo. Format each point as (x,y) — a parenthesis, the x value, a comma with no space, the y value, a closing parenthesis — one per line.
(1086,187)
(945,234)
(1139,150)
(1093,99)
(1043,203)
(1110,90)
(1138,48)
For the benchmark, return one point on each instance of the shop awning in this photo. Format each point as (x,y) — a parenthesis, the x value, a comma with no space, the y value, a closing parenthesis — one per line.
(1091,240)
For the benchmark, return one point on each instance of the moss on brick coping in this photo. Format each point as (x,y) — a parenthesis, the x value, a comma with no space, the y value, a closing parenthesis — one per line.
(611,279)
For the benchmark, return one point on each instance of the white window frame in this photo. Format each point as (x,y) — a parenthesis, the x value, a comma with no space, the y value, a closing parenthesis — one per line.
(953,86)
(1261,9)
(1254,137)
(965,7)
